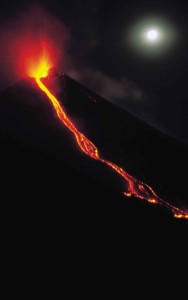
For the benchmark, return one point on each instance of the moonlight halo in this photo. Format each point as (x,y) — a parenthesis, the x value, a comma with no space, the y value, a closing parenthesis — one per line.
(151,36)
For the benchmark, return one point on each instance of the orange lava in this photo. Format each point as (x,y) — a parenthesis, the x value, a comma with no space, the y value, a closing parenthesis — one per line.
(135,187)
(43,63)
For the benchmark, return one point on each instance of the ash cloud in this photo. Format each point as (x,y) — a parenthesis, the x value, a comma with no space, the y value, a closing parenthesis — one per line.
(107,87)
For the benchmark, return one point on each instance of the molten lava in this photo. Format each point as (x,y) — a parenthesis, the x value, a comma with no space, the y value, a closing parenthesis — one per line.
(135,187)
(43,65)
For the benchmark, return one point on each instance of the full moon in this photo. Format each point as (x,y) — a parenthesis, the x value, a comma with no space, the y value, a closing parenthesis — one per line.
(152,35)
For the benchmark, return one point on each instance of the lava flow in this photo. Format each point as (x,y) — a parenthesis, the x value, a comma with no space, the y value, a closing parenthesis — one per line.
(135,187)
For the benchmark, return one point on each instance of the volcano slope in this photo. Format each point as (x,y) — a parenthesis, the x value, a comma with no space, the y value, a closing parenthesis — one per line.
(47,177)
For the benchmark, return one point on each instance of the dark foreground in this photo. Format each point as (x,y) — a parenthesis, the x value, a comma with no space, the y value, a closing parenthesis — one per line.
(50,188)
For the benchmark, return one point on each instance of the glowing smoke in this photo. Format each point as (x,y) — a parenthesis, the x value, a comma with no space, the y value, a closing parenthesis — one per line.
(23,38)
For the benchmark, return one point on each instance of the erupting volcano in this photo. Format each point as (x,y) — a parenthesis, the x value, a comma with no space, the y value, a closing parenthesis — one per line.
(134,187)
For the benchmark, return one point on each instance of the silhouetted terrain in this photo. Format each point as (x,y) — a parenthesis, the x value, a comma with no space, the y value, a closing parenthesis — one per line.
(47,183)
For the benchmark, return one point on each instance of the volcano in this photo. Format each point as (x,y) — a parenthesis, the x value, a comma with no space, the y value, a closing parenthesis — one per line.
(45,175)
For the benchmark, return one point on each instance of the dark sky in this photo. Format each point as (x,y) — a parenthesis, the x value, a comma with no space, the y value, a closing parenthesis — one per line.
(154,87)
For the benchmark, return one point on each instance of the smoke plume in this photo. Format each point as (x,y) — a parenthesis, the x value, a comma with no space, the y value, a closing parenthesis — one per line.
(107,87)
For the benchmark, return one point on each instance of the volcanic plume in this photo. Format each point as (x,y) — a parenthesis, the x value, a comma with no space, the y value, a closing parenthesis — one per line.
(28,35)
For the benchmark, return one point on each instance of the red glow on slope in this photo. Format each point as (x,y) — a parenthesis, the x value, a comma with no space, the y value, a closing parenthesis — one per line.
(135,187)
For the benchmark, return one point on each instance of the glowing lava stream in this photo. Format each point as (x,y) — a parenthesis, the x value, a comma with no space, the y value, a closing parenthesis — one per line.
(135,187)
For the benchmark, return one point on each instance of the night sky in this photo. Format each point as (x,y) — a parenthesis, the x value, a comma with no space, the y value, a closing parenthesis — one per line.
(62,210)
(111,57)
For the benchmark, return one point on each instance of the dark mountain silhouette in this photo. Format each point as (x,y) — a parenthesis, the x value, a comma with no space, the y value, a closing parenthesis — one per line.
(47,182)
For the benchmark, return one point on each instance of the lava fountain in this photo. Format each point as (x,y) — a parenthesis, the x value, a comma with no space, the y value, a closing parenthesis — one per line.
(39,69)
